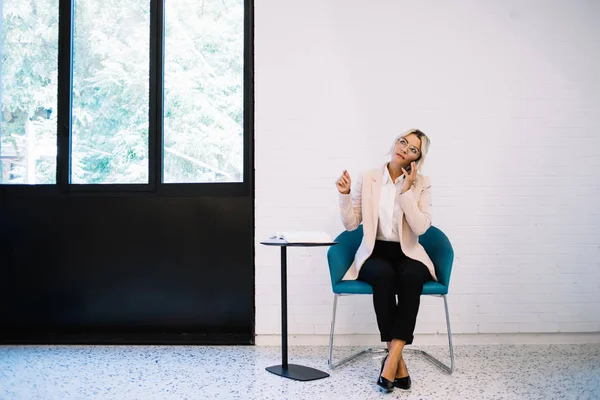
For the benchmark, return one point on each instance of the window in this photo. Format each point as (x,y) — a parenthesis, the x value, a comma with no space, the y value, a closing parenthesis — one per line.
(157,93)
(204,91)
(28,88)
(110,92)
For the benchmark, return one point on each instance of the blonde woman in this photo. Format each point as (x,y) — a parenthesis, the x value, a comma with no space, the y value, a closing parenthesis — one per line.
(393,204)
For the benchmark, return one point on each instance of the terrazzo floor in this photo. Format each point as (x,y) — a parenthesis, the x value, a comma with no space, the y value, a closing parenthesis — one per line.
(238,372)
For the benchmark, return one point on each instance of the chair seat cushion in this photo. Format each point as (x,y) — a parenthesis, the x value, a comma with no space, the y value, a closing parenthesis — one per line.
(433,287)
(352,287)
(360,287)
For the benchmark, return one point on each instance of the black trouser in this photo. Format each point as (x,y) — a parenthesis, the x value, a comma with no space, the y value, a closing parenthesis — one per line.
(390,272)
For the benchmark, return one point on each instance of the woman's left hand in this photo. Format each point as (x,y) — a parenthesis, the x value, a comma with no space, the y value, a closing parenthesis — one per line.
(409,178)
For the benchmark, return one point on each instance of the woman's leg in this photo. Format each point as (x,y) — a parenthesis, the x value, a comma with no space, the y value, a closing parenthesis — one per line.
(401,371)
(379,273)
(393,360)
(410,276)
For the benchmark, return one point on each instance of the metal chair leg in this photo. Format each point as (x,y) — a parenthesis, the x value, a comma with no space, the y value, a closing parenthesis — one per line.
(435,361)
(330,362)
(427,356)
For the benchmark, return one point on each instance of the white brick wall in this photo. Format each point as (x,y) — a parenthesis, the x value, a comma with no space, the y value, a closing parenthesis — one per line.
(509,92)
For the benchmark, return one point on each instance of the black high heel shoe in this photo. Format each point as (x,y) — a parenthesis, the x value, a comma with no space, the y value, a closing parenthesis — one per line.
(384,385)
(403,383)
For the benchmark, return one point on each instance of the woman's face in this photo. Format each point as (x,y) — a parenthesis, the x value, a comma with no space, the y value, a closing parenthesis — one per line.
(407,150)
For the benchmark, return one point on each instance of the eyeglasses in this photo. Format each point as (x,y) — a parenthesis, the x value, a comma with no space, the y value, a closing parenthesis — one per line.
(403,142)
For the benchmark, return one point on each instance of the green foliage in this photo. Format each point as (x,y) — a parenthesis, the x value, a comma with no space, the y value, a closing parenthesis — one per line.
(203,88)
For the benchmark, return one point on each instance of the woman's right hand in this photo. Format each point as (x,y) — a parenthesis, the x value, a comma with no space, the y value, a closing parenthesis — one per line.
(343,184)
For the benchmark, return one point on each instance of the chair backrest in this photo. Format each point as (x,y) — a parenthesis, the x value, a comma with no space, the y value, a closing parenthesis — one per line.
(341,256)
(434,241)
(439,249)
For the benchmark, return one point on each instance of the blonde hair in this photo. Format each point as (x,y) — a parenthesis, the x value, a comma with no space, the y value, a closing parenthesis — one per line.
(425,142)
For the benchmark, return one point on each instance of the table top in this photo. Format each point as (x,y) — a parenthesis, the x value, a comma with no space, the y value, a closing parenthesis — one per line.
(281,243)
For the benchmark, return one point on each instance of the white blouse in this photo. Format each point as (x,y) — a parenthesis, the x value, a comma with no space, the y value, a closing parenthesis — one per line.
(389,208)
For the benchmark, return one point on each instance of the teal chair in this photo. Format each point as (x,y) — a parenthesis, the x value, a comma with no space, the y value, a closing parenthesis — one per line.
(341,256)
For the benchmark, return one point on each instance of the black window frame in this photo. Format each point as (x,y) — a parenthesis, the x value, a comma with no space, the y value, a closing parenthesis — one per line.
(155,185)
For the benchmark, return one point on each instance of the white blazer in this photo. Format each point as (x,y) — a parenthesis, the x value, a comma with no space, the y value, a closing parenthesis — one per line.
(362,205)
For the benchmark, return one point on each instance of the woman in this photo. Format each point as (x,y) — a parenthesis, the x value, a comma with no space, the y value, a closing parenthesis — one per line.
(393,203)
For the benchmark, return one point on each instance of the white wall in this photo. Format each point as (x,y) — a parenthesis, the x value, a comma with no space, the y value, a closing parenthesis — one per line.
(509,92)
